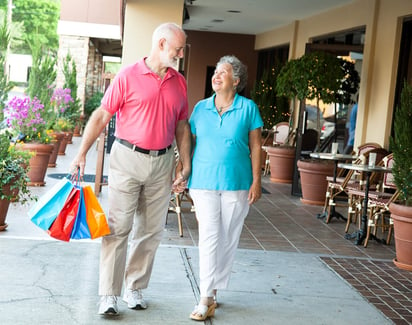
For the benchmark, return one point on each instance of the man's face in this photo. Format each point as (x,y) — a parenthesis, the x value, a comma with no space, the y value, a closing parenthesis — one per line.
(173,50)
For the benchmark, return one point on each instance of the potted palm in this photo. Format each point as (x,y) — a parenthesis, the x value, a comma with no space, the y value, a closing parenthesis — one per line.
(401,210)
(322,77)
(13,177)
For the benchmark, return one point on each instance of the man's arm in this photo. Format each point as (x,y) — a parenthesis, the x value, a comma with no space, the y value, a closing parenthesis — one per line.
(97,122)
(184,146)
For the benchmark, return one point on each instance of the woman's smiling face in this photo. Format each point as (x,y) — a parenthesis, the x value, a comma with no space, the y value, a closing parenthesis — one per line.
(223,77)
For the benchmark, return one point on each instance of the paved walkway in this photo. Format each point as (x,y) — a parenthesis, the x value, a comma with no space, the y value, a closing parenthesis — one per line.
(45,281)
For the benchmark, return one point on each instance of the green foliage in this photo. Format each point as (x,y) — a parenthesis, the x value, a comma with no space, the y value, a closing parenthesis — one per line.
(72,112)
(39,18)
(112,67)
(16,30)
(42,78)
(273,108)
(317,75)
(92,103)
(320,76)
(401,145)
(13,172)
(5,85)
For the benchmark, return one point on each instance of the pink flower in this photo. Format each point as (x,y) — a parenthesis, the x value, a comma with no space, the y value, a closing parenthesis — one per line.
(25,117)
(61,99)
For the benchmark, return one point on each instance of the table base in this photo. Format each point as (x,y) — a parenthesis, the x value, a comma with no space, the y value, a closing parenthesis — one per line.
(359,237)
(333,214)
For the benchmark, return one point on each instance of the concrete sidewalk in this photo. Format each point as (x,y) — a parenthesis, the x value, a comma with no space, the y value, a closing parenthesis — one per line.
(44,281)
(51,282)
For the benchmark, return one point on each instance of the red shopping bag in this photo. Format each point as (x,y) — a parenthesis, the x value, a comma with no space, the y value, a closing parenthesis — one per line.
(62,227)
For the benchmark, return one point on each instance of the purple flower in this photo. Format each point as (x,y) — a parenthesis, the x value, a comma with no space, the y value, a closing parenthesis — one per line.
(61,99)
(25,117)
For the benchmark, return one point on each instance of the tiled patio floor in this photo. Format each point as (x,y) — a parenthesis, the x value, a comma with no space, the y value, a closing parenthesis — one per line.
(280,222)
(380,282)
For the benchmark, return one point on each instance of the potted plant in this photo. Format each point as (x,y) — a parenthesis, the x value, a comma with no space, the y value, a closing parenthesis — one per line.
(401,210)
(273,109)
(60,101)
(27,122)
(72,112)
(14,166)
(64,125)
(315,76)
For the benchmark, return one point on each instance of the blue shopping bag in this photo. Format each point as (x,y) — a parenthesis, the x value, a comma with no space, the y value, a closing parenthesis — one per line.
(46,209)
(81,228)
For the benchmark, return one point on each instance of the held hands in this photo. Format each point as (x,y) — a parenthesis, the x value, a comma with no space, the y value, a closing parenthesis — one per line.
(180,183)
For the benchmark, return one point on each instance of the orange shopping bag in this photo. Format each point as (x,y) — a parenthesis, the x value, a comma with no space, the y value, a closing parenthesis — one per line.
(95,217)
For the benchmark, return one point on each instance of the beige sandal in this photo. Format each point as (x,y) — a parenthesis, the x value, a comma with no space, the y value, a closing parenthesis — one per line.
(201,312)
(214,298)
(215,302)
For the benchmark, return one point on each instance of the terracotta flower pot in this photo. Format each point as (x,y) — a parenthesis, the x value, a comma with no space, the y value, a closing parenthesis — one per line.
(56,145)
(402,225)
(313,180)
(69,137)
(63,144)
(76,131)
(4,207)
(282,159)
(38,163)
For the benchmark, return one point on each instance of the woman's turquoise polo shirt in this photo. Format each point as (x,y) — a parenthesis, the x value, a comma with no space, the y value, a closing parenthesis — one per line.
(221,159)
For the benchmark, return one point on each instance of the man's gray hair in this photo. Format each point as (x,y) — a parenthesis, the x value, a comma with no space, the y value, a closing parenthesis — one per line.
(239,70)
(167,31)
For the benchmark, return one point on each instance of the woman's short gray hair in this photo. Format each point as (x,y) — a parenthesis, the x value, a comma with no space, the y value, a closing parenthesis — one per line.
(239,70)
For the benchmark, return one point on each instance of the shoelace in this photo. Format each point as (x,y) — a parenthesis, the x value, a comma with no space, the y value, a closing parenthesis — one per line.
(111,299)
(137,294)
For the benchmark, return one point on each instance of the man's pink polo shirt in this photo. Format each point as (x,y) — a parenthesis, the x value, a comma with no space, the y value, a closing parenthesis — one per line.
(148,108)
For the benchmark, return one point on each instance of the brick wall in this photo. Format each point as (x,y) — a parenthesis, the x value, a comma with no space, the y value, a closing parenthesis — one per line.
(89,64)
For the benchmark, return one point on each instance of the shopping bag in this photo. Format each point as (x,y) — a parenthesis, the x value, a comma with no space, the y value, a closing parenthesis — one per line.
(46,209)
(80,228)
(95,216)
(62,226)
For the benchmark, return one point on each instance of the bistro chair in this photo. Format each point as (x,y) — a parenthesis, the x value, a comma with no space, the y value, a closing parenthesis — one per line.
(367,147)
(378,203)
(281,133)
(177,199)
(354,200)
(337,192)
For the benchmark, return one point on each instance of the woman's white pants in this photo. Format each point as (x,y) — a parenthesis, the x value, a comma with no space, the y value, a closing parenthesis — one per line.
(220,216)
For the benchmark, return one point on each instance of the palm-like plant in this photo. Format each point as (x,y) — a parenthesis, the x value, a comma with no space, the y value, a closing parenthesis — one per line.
(401,145)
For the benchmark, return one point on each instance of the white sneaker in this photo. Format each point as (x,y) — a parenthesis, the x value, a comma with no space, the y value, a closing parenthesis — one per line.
(108,306)
(134,299)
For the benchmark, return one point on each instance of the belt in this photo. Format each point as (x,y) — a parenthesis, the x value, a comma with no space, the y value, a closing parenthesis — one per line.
(153,153)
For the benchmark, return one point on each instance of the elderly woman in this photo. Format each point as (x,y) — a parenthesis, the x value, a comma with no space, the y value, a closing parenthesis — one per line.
(225,177)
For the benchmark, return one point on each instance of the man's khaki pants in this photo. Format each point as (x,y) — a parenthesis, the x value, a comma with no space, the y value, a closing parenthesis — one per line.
(139,194)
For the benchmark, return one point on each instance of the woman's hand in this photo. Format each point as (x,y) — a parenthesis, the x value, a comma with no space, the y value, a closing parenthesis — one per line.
(255,192)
